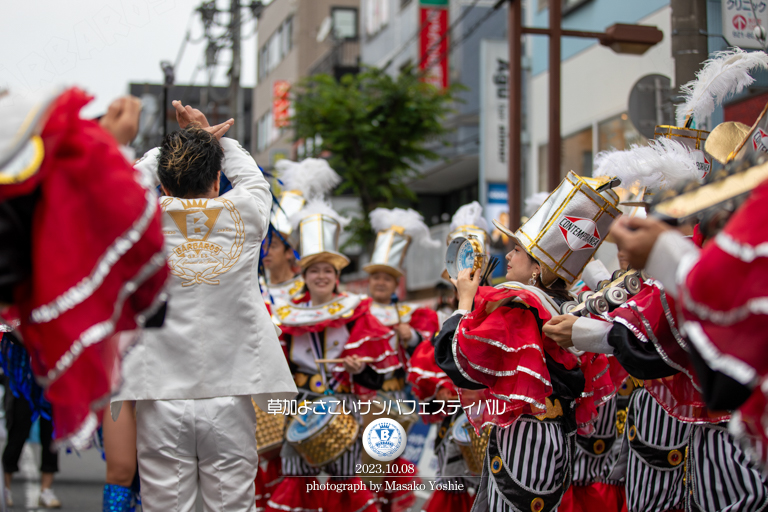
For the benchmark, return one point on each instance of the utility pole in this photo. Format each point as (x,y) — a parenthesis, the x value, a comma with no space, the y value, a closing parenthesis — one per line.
(689,39)
(235,94)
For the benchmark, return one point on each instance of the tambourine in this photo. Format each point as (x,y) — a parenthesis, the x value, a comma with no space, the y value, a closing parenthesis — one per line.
(465,253)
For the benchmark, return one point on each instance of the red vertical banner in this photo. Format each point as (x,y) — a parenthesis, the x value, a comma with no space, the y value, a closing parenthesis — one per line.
(433,46)
(280,103)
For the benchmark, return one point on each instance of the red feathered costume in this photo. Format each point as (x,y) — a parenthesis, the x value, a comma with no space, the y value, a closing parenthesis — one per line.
(97,265)
(724,307)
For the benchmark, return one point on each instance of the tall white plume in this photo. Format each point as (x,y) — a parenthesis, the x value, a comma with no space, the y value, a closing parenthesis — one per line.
(410,220)
(312,176)
(662,164)
(318,205)
(469,214)
(532,203)
(726,73)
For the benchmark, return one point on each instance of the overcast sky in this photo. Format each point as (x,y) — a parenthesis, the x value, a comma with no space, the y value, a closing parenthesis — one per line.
(103,45)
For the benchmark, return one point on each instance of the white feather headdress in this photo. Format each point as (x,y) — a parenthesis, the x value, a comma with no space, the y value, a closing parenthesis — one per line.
(312,176)
(662,164)
(726,73)
(532,203)
(318,205)
(469,215)
(410,220)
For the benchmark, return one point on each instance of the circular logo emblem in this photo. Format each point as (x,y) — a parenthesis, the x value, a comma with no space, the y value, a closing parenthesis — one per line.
(579,233)
(384,439)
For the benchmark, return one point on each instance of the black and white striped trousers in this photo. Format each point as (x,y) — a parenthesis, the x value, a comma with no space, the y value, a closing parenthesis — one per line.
(654,486)
(593,455)
(535,464)
(720,477)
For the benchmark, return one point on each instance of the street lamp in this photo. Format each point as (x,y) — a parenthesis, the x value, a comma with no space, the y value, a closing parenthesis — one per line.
(620,37)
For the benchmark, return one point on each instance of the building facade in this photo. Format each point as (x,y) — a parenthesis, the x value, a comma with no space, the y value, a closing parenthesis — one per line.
(295,39)
(392,36)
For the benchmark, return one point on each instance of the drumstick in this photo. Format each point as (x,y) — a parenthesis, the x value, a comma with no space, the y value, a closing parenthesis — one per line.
(362,360)
(301,422)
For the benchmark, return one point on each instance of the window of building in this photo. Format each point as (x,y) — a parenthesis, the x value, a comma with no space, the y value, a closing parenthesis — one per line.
(376,15)
(576,156)
(577,153)
(276,48)
(344,22)
(404,3)
(267,133)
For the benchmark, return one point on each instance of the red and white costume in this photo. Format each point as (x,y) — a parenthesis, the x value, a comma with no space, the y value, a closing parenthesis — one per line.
(342,327)
(96,263)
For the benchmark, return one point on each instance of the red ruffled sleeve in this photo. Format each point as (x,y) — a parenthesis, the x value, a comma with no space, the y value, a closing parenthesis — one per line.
(370,339)
(503,349)
(599,387)
(425,376)
(649,315)
(97,266)
(724,292)
(425,322)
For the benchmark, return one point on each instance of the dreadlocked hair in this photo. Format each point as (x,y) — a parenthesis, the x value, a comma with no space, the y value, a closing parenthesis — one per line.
(189,162)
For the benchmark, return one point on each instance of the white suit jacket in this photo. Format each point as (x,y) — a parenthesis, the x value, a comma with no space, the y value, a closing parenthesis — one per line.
(217,338)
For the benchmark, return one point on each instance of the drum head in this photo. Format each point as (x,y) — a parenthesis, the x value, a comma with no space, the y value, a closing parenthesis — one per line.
(460,431)
(460,255)
(316,418)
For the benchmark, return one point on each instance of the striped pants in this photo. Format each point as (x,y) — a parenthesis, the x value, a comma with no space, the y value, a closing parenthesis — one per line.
(527,467)
(655,469)
(720,477)
(594,455)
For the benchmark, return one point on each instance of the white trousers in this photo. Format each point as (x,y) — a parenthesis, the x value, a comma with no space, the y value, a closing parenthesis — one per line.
(182,442)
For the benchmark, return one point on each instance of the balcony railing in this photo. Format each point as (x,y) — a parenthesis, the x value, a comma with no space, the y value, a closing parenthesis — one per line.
(343,58)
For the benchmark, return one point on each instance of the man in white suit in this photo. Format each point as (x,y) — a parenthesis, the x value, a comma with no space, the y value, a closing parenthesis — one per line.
(193,378)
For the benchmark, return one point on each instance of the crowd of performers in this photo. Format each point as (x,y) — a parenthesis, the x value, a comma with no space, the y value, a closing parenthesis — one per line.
(191,292)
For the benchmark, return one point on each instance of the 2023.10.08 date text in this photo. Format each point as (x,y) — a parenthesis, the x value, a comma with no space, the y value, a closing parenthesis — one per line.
(405,469)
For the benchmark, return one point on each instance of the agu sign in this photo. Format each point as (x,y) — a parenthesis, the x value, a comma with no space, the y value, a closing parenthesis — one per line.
(739,22)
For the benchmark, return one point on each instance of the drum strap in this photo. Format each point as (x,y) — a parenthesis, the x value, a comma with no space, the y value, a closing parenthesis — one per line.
(318,348)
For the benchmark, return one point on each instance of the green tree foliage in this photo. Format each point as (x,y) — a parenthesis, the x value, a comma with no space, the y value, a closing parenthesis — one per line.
(376,129)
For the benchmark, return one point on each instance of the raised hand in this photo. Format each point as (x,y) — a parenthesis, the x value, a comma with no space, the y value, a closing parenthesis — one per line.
(186,115)
(220,129)
(122,119)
